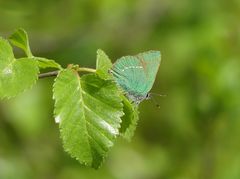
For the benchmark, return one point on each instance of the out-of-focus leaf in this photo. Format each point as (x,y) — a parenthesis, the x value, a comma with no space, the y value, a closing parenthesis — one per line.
(103,65)
(30,123)
(89,111)
(20,39)
(16,75)
(129,120)
(47,63)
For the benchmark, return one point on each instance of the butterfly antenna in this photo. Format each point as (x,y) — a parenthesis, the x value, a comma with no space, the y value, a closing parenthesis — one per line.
(156,94)
(154,101)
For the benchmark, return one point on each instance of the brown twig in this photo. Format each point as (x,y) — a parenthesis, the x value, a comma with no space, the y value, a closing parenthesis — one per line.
(48,74)
(55,73)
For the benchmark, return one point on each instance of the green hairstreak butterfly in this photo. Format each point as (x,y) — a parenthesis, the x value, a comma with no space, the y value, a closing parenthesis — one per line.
(136,74)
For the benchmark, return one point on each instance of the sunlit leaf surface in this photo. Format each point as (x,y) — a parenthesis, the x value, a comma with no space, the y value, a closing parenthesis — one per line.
(89,111)
(47,63)
(17,75)
(103,65)
(20,39)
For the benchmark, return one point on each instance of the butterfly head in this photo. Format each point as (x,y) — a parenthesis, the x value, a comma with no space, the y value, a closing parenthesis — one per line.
(148,96)
(137,99)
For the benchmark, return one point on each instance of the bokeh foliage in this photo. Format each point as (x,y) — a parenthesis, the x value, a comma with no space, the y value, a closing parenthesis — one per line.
(195,133)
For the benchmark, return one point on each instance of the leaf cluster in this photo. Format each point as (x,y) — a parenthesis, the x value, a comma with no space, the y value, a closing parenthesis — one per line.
(90,109)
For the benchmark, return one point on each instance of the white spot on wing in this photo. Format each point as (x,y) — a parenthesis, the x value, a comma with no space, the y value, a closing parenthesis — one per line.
(132,67)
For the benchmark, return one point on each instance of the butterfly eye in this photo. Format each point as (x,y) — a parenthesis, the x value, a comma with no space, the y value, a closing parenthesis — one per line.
(148,96)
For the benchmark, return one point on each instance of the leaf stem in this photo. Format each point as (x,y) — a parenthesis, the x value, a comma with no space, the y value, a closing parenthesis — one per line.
(87,70)
(55,73)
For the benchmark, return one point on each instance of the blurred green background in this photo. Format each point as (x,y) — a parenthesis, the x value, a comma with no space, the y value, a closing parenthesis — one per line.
(196,132)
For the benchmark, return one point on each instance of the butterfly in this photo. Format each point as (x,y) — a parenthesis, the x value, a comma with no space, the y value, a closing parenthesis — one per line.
(136,74)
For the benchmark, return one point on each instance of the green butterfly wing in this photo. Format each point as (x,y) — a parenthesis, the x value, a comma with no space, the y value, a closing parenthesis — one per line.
(136,74)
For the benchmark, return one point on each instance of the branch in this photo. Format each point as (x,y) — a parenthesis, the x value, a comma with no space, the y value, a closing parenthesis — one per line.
(48,74)
(55,73)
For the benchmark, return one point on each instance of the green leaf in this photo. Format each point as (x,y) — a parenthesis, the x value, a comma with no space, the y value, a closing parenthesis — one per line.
(20,39)
(89,111)
(16,75)
(129,120)
(103,65)
(46,63)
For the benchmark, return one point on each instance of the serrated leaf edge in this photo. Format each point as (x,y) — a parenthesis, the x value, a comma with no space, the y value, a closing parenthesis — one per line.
(36,58)
(67,150)
(25,89)
(132,127)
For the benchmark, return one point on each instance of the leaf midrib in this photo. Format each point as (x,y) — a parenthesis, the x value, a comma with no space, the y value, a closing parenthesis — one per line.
(82,103)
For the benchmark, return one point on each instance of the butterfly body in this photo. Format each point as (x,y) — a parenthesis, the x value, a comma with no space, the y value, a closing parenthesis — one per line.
(136,74)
